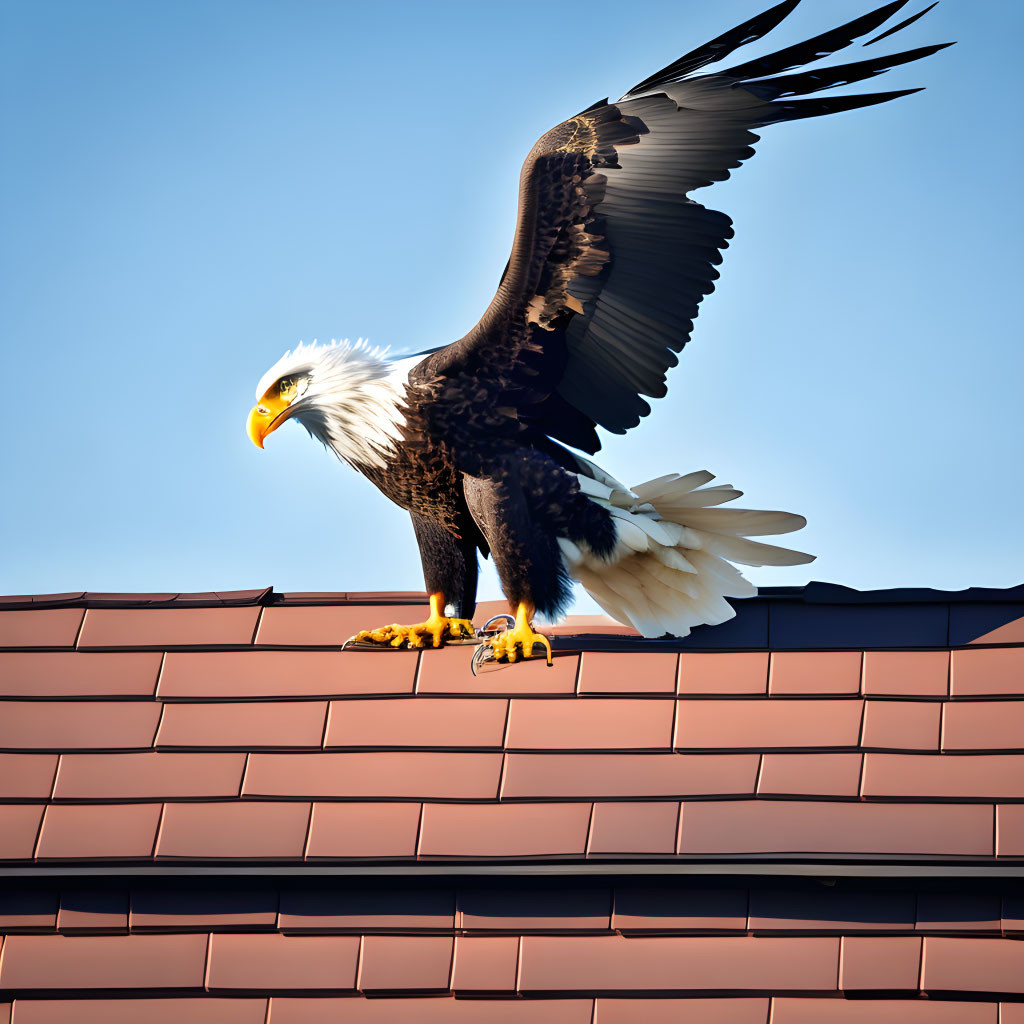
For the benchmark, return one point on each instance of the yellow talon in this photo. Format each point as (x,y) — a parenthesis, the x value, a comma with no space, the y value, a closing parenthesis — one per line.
(436,629)
(520,639)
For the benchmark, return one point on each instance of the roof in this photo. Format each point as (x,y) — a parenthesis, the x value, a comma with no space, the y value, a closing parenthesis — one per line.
(163,731)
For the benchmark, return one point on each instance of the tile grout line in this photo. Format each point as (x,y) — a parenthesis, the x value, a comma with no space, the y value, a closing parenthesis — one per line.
(256,627)
(327,723)
(159,723)
(159,675)
(207,961)
(305,844)
(519,965)
(757,774)
(159,831)
(419,831)
(590,831)
(81,627)
(39,829)
(679,827)
(245,771)
(359,961)
(418,668)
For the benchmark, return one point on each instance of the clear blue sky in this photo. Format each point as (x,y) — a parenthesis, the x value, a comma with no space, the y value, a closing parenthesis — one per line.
(187,189)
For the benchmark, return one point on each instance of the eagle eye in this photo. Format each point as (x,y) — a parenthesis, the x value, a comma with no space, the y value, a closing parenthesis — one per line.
(287,388)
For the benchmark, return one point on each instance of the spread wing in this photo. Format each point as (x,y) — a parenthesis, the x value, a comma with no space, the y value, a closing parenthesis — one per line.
(611,258)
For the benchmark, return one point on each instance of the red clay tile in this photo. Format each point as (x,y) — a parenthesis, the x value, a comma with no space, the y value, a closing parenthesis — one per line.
(726,673)
(57,627)
(1010,830)
(75,674)
(816,908)
(879,963)
(676,1011)
(148,776)
(504,830)
(814,672)
(402,774)
(983,725)
(103,961)
(98,830)
(987,672)
(973,965)
(1011,1013)
(390,906)
(416,723)
(958,911)
(944,775)
(901,724)
(782,826)
(627,775)
(208,1010)
(705,724)
(168,627)
(677,963)
(19,825)
(906,673)
(485,963)
(394,963)
(547,905)
(646,827)
(330,625)
(429,1010)
(601,723)
(264,830)
(27,776)
(363,830)
(880,1011)
(810,775)
(28,908)
(247,725)
(627,673)
(279,963)
(204,905)
(1009,633)
(218,675)
(668,908)
(447,671)
(92,910)
(77,725)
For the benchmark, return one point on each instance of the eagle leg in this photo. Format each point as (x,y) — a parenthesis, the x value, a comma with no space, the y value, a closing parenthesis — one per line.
(520,639)
(437,629)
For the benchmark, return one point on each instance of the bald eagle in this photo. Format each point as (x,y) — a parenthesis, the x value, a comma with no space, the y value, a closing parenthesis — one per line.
(480,440)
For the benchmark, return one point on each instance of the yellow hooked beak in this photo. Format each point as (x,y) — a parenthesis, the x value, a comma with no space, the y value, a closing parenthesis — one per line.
(265,416)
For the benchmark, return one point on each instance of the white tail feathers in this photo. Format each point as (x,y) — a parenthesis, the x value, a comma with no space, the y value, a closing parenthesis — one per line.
(671,569)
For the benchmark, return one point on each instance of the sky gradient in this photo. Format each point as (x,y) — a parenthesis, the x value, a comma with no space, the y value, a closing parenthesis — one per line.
(189,189)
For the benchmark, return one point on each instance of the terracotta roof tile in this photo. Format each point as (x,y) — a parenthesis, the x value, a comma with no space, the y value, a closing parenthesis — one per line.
(81,831)
(447,671)
(90,910)
(26,776)
(393,963)
(880,1011)
(319,907)
(534,907)
(19,825)
(809,775)
(674,1011)
(403,774)
(628,673)
(28,908)
(879,963)
(988,672)
(331,626)
(634,828)
(131,1011)
(901,724)
(906,673)
(627,775)
(417,723)
(279,963)
(619,964)
(970,776)
(726,673)
(671,908)
(1009,633)
(78,674)
(958,911)
(779,826)
(485,963)
(77,725)
(56,628)
(264,829)
(203,905)
(817,908)
(232,675)
(148,776)
(1010,830)
(167,627)
(364,830)
(504,830)
(973,965)
(814,672)
(605,723)
(429,1010)
(1011,1013)
(983,725)
(103,962)
(768,723)
(245,725)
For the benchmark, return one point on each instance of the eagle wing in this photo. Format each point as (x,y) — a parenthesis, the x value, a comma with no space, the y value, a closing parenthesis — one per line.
(611,258)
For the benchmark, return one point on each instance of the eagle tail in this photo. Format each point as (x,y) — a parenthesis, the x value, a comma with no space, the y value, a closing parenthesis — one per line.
(672,565)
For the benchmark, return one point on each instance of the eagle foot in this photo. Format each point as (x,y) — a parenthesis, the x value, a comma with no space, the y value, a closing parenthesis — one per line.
(520,640)
(437,630)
